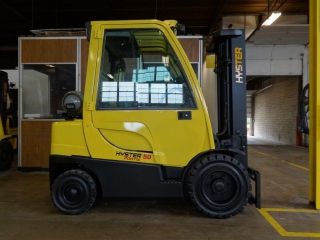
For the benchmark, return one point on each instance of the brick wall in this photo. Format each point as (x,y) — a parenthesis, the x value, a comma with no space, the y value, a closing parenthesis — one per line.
(275,111)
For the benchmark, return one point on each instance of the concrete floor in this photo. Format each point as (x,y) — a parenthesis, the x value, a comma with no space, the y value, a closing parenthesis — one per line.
(26,211)
(254,140)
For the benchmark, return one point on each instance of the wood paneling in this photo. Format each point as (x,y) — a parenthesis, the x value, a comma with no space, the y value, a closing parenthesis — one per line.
(48,50)
(84,61)
(191,47)
(35,143)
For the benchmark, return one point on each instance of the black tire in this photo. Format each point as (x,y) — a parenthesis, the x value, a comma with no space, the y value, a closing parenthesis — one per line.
(6,155)
(74,192)
(217,185)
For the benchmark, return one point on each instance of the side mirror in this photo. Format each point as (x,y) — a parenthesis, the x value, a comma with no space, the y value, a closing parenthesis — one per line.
(210,61)
(72,104)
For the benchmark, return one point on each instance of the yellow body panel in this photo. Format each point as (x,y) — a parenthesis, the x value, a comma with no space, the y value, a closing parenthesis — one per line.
(68,139)
(149,136)
(137,135)
(173,142)
(314,101)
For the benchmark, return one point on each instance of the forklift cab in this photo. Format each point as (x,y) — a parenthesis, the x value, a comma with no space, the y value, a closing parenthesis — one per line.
(144,129)
(146,98)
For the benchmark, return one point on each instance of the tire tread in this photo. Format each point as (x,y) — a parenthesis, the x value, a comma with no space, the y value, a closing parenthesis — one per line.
(192,172)
(92,187)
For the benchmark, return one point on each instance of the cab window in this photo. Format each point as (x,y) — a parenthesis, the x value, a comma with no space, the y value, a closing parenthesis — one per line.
(139,69)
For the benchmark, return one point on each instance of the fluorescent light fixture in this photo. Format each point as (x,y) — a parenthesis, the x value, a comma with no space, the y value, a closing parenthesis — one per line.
(50,66)
(110,76)
(273,17)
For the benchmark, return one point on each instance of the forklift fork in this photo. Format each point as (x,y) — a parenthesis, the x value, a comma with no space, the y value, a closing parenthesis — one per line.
(255,177)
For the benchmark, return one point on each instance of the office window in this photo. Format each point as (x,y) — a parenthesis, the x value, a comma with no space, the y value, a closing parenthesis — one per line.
(43,88)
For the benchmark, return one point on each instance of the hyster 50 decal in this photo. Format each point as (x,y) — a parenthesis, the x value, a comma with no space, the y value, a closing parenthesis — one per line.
(238,56)
(134,156)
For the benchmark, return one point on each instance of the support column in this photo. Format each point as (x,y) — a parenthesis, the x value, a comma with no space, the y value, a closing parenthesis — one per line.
(314,146)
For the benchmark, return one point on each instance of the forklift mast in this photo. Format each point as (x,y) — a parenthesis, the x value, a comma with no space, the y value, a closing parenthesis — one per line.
(229,48)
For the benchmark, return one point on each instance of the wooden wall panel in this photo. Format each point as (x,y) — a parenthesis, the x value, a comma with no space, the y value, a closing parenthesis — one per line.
(191,47)
(84,61)
(48,50)
(35,143)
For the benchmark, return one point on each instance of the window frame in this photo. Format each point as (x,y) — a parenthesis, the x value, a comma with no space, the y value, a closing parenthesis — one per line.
(163,107)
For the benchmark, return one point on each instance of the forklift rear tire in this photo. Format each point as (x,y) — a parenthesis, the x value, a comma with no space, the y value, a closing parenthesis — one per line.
(74,192)
(6,155)
(217,185)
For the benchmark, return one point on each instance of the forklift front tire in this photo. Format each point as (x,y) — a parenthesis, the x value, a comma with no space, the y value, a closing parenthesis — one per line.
(218,185)
(74,192)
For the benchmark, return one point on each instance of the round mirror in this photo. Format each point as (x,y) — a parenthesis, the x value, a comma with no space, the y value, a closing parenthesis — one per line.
(72,103)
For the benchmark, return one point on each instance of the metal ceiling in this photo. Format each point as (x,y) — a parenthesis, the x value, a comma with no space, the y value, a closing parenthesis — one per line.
(18,17)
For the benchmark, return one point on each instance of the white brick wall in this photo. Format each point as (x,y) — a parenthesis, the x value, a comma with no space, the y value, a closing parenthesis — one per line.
(276,109)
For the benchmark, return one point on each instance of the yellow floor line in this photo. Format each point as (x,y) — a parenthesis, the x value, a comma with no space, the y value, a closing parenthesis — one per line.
(276,225)
(273,222)
(286,161)
(297,165)
(294,210)
(262,153)
(302,234)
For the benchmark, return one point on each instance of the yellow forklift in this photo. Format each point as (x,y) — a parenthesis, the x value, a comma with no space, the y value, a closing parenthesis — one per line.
(9,121)
(142,128)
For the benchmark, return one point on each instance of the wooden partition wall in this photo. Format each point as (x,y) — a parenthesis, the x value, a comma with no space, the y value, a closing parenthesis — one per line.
(35,143)
(48,50)
(35,134)
(192,46)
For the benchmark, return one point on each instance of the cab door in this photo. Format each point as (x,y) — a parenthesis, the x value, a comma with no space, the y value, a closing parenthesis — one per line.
(144,101)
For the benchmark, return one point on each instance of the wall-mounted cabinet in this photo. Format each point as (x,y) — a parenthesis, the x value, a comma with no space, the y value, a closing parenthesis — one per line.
(48,68)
